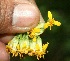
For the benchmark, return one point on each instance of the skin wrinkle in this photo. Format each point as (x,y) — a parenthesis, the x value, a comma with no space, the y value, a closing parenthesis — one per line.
(7,15)
(2,10)
(21,1)
(3,6)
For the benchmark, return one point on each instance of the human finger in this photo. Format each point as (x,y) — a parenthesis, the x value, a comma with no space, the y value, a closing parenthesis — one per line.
(4,56)
(18,16)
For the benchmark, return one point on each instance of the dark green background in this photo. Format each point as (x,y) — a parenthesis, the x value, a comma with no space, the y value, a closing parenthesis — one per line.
(58,37)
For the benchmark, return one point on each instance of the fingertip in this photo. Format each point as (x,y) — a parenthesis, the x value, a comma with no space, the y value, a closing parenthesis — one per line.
(4,56)
(5,38)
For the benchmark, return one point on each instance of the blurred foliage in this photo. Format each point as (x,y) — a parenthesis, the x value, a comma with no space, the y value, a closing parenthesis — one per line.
(58,37)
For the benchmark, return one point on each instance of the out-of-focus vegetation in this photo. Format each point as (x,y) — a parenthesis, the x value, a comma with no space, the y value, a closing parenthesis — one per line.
(58,37)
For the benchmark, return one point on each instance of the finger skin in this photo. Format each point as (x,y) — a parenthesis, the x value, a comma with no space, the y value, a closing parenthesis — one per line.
(7,8)
(4,56)
(5,38)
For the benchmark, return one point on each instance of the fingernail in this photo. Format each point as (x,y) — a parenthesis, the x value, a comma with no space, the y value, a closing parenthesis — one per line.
(25,15)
